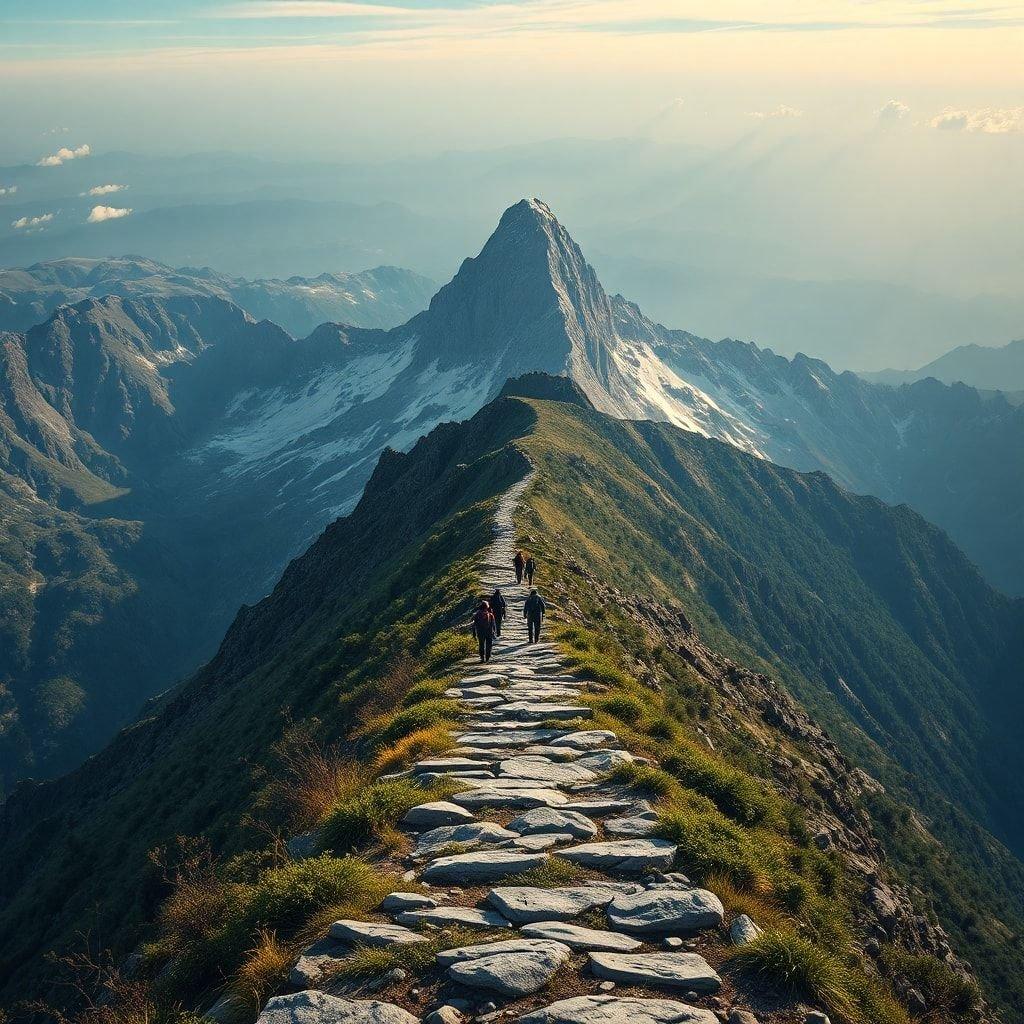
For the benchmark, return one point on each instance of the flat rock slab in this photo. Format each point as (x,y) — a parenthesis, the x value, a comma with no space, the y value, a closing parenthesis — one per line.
(599,808)
(517,799)
(533,767)
(511,974)
(435,814)
(577,937)
(688,971)
(523,904)
(540,712)
(372,933)
(481,833)
(657,911)
(311,1007)
(629,856)
(618,1010)
(480,868)
(507,739)
(395,902)
(543,841)
(442,917)
(588,739)
(308,971)
(634,826)
(553,820)
(604,760)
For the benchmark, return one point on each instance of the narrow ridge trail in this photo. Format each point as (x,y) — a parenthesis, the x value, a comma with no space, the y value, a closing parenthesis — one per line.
(581,919)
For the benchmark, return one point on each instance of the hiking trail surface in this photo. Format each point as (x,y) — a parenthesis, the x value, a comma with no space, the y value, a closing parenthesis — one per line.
(577,916)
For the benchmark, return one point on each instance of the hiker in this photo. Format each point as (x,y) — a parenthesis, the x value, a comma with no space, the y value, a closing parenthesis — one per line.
(530,569)
(483,630)
(499,608)
(533,612)
(520,563)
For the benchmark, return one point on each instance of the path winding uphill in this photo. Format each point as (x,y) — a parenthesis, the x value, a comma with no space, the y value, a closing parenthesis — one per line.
(581,919)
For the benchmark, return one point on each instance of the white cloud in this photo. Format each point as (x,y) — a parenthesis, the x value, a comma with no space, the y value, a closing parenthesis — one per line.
(63,155)
(8,190)
(31,223)
(988,120)
(101,213)
(894,110)
(780,111)
(103,190)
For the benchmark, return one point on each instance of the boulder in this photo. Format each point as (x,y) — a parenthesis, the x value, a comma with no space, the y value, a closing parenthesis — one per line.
(629,856)
(435,814)
(577,937)
(459,954)
(553,819)
(666,910)
(618,1010)
(310,1007)
(743,930)
(302,846)
(687,971)
(478,833)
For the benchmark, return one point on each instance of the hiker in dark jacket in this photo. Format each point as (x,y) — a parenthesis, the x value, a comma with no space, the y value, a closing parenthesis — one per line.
(483,630)
(533,612)
(531,568)
(499,609)
(520,564)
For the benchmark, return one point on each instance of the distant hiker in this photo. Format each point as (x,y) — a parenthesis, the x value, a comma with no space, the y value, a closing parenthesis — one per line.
(533,612)
(499,609)
(520,563)
(484,629)
(530,569)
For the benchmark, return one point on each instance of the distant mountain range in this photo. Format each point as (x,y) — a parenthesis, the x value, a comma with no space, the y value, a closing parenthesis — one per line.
(166,456)
(981,366)
(381,297)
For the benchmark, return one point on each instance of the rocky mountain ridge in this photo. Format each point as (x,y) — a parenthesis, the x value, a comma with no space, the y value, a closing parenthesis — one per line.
(381,297)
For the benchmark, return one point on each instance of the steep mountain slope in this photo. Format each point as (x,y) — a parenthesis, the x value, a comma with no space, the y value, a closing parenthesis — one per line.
(381,297)
(643,530)
(981,366)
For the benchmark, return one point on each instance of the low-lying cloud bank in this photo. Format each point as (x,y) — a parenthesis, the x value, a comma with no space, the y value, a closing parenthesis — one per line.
(63,155)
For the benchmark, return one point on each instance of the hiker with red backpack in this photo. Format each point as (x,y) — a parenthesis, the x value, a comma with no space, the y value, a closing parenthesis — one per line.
(484,629)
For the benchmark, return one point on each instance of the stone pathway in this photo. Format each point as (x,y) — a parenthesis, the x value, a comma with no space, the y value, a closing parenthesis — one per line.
(537,791)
